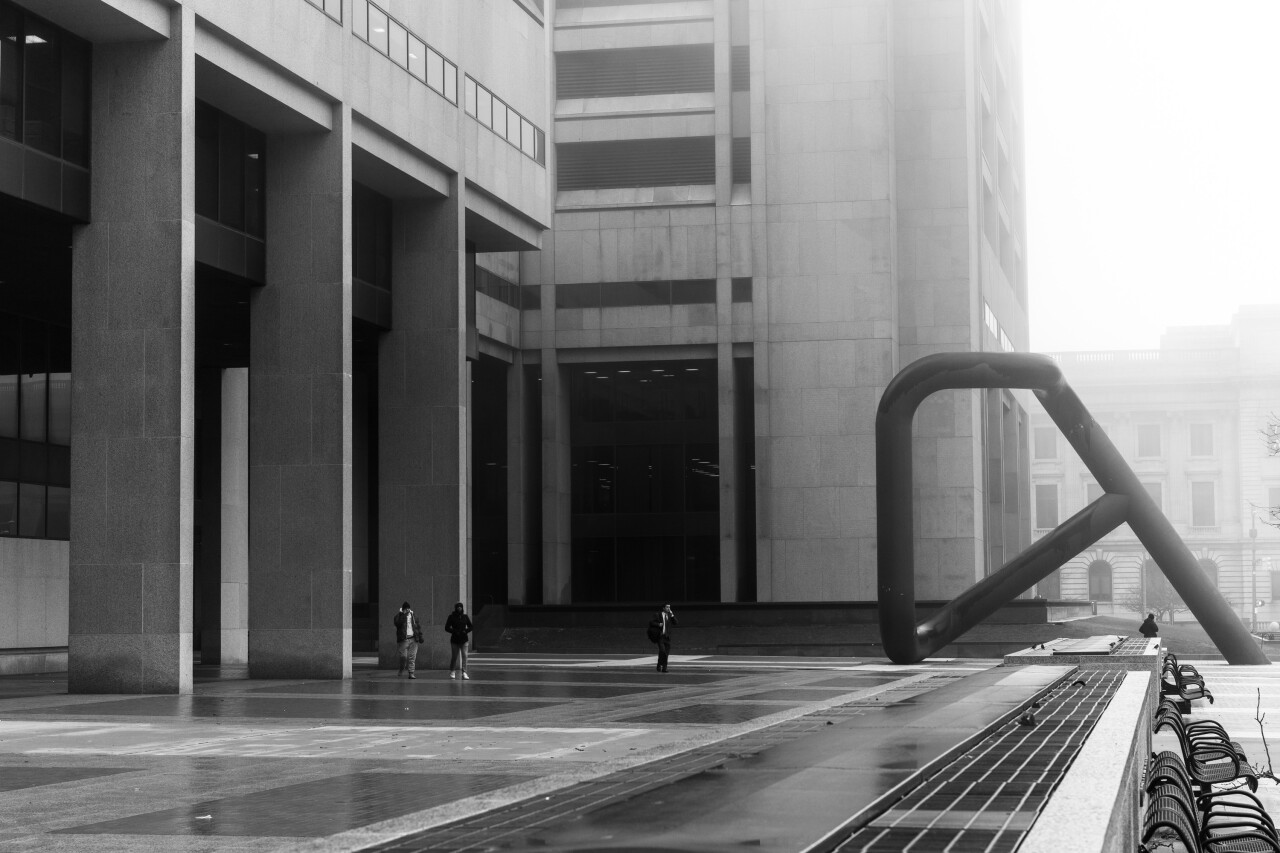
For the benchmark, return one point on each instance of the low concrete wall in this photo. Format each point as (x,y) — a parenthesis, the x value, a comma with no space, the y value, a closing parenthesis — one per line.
(1095,809)
(770,614)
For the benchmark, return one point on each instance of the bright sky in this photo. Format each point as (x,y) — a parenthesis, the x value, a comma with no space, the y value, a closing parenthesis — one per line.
(1152,166)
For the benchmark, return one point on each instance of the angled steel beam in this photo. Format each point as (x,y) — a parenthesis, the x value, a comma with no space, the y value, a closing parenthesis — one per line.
(1125,500)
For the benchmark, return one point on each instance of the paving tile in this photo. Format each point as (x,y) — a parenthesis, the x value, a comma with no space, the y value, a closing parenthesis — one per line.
(308,809)
(449,687)
(17,778)
(239,707)
(718,714)
(795,694)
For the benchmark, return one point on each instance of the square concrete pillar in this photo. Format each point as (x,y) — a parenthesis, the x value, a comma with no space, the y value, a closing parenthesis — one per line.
(133,385)
(557,533)
(423,384)
(300,414)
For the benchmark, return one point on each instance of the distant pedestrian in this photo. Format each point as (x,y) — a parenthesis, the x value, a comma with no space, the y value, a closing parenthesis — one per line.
(408,637)
(459,627)
(664,640)
(1148,627)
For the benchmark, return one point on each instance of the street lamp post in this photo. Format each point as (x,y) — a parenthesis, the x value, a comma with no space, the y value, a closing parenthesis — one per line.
(1253,570)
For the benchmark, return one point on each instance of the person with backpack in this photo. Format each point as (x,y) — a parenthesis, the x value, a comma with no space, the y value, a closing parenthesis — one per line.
(659,631)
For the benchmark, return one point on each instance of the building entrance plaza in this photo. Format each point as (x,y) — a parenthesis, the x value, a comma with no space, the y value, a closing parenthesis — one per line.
(580,752)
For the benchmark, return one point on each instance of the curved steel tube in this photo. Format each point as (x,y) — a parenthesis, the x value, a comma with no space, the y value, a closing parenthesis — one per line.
(1125,500)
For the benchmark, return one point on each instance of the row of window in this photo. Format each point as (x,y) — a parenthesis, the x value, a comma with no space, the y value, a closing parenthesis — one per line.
(627,294)
(394,40)
(1203,502)
(44,86)
(508,124)
(1101,572)
(1149,441)
(332,8)
(35,428)
(231,171)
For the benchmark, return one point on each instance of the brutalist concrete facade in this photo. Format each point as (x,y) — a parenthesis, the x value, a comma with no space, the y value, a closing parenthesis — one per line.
(356,376)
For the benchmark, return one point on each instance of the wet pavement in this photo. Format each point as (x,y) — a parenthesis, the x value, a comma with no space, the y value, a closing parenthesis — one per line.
(547,752)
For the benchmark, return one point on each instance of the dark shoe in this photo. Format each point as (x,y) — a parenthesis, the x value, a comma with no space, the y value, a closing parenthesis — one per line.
(411,675)
(664,669)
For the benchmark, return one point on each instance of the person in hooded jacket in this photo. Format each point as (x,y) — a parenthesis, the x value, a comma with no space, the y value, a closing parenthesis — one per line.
(459,628)
(408,638)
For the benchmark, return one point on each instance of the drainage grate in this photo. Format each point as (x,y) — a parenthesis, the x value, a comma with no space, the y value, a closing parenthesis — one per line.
(988,798)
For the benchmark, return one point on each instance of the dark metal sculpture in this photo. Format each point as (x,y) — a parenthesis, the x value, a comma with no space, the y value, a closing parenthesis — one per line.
(1125,500)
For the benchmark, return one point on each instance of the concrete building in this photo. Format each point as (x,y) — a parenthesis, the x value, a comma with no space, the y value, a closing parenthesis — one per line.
(315,306)
(1196,420)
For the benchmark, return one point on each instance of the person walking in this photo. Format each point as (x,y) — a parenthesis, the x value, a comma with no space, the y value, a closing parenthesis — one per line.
(458,625)
(1148,627)
(408,637)
(664,641)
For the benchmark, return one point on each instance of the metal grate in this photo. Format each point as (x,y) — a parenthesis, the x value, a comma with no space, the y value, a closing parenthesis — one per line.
(988,798)
(636,163)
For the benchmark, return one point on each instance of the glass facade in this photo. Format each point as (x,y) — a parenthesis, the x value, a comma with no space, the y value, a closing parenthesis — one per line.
(488,109)
(370,237)
(644,471)
(399,44)
(44,86)
(230,171)
(35,373)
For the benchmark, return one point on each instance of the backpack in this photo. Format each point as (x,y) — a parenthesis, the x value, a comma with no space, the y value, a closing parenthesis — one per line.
(654,631)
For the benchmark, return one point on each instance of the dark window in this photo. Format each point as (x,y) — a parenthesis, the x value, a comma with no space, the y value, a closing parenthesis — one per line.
(10,363)
(637,163)
(577,295)
(230,171)
(10,75)
(8,508)
(42,123)
(693,292)
(741,165)
(624,72)
(1047,505)
(1099,581)
(1148,440)
(75,101)
(371,237)
(1046,442)
(740,67)
(741,288)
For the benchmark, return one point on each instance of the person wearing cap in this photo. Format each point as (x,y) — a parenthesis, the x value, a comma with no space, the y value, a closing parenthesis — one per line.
(408,636)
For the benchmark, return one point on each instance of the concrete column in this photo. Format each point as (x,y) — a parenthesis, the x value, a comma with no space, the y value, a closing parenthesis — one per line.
(300,414)
(423,376)
(557,577)
(518,503)
(133,392)
(233,507)
(727,428)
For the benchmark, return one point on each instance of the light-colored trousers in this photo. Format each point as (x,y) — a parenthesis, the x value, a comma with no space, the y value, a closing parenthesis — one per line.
(459,656)
(409,653)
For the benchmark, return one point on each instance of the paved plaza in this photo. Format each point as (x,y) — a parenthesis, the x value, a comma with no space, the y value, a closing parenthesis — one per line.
(533,753)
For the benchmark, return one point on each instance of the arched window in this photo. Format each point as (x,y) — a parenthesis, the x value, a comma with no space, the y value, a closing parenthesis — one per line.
(1210,569)
(1100,580)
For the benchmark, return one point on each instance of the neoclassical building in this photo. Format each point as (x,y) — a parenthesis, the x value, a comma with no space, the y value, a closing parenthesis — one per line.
(309,307)
(1197,421)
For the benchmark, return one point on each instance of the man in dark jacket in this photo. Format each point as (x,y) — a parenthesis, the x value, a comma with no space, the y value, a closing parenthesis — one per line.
(408,636)
(664,642)
(459,627)
(1148,627)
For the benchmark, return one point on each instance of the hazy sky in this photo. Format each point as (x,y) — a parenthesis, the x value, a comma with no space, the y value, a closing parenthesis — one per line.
(1152,166)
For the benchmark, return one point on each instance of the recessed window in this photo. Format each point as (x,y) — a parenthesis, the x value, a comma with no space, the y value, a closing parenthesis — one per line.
(1148,440)
(1046,442)
(1046,505)
(1201,439)
(1100,581)
(1203,507)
